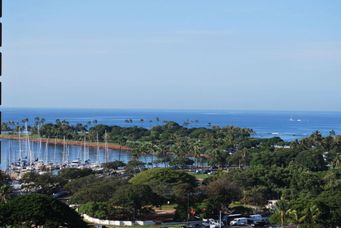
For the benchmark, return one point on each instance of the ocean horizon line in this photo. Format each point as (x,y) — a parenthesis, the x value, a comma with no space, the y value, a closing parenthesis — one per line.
(209,111)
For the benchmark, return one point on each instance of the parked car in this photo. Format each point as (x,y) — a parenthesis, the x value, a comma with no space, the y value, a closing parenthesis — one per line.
(211,223)
(239,222)
(228,218)
(257,220)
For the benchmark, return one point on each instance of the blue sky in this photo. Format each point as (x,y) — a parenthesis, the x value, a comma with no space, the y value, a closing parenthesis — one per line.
(175,54)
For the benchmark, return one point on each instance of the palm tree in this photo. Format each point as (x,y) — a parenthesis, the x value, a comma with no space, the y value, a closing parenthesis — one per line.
(310,215)
(12,124)
(282,207)
(337,161)
(141,121)
(163,154)
(294,217)
(17,126)
(25,121)
(155,150)
(137,149)
(4,193)
(197,149)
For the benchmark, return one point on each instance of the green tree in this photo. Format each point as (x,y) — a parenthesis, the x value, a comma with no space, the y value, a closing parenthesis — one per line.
(113,165)
(44,183)
(171,184)
(181,162)
(311,159)
(282,207)
(134,198)
(38,210)
(218,157)
(219,194)
(310,215)
(95,209)
(74,173)
(99,191)
(294,217)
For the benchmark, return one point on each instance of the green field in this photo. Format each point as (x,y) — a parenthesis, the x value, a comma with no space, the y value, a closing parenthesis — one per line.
(199,176)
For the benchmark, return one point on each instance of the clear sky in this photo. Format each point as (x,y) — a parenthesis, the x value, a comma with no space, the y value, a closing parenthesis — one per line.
(175,54)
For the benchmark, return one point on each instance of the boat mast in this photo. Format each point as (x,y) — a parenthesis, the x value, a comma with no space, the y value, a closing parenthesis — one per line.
(55,149)
(8,163)
(97,155)
(106,154)
(26,140)
(67,153)
(29,150)
(64,151)
(28,144)
(40,146)
(20,149)
(84,151)
(9,154)
(47,151)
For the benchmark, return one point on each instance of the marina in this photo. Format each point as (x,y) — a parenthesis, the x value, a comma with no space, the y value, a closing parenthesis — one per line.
(23,155)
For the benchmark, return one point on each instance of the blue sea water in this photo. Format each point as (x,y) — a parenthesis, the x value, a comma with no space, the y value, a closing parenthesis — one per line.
(287,125)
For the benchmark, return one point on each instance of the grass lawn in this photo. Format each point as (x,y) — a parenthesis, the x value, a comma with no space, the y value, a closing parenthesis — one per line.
(167,207)
(199,176)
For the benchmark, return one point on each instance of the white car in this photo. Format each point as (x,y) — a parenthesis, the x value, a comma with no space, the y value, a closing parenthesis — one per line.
(211,223)
(239,222)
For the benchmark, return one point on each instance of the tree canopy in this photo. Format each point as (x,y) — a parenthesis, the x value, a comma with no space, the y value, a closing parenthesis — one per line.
(168,183)
(37,210)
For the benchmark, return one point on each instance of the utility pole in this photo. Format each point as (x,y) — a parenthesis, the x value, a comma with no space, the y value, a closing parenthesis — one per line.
(219,219)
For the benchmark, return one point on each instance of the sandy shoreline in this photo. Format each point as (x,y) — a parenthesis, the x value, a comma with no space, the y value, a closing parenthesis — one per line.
(68,142)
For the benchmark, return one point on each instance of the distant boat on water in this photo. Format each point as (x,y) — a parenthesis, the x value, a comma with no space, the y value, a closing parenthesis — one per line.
(293,120)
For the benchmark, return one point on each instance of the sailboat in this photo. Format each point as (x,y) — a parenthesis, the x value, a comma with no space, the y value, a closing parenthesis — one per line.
(86,158)
(64,153)
(47,152)
(17,164)
(77,162)
(8,164)
(28,147)
(55,149)
(106,149)
(20,149)
(97,150)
